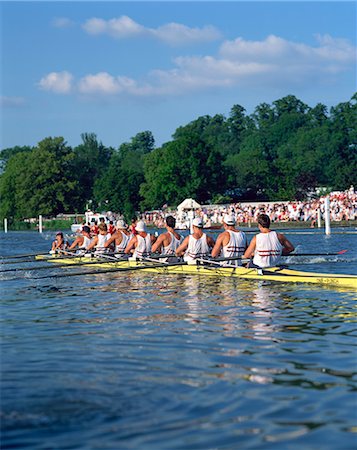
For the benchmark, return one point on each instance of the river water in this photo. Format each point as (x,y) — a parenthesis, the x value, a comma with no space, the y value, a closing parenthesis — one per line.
(145,361)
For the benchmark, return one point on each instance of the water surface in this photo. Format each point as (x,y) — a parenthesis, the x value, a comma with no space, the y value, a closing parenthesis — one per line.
(145,361)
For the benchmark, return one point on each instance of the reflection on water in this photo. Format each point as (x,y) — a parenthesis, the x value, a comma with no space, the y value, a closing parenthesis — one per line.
(139,360)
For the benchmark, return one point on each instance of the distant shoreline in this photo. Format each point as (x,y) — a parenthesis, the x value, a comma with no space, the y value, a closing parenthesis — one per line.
(65,225)
(289,225)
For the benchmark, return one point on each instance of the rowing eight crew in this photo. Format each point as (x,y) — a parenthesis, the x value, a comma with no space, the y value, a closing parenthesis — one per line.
(266,248)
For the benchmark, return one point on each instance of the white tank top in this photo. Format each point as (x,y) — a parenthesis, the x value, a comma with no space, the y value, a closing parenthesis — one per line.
(171,248)
(268,249)
(196,248)
(99,248)
(124,242)
(236,245)
(144,246)
(86,242)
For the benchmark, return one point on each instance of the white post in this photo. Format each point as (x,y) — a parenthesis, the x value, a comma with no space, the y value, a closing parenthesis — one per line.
(191,216)
(40,223)
(319,218)
(5,225)
(327,216)
(190,220)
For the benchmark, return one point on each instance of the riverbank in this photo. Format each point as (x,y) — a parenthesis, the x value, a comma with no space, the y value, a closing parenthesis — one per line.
(47,225)
(64,225)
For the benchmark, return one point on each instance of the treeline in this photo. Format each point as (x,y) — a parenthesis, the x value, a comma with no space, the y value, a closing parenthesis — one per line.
(279,152)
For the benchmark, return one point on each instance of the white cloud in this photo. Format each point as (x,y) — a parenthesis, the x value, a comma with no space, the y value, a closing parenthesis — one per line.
(175,34)
(273,62)
(171,33)
(62,22)
(101,83)
(58,82)
(104,83)
(12,102)
(221,68)
(335,49)
(243,50)
(270,62)
(280,51)
(121,27)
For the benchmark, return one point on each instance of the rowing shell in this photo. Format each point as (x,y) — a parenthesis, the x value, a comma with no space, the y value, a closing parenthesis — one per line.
(272,274)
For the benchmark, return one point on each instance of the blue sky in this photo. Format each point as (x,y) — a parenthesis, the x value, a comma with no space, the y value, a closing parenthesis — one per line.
(119,68)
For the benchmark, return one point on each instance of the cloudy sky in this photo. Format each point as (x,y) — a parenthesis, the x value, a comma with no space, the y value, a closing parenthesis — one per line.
(119,68)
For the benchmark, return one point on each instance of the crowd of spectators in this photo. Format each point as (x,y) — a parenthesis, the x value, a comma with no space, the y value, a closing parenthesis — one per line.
(343,206)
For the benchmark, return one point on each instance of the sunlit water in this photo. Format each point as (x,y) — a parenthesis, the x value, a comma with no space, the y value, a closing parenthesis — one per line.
(145,361)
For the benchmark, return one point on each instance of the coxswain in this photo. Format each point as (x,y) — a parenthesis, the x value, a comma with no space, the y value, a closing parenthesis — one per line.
(267,246)
(120,238)
(59,243)
(231,243)
(99,241)
(141,242)
(168,242)
(197,244)
(83,241)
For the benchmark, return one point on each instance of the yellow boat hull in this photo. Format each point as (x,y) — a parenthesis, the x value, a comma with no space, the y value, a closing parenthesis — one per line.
(272,274)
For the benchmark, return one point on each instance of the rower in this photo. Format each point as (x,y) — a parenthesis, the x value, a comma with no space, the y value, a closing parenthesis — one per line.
(267,246)
(59,243)
(141,242)
(99,241)
(120,238)
(231,243)
(94,228)
(197,244)
(83,241)
(132,226)
(111,228)
(168,242)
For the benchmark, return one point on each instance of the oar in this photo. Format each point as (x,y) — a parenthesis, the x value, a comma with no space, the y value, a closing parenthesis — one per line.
(99,272)
(155,260)
(111,257)
(32,255)
(52,266)
(341,252)
(15,259)
(67,252)
(219,261)
(97,261)
(29,255)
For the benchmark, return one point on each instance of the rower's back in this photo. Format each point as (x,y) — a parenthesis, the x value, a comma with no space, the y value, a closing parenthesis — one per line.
(268,249)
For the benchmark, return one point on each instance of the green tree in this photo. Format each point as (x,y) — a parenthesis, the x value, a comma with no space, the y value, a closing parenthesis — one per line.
(7,153)
(341,155)
(185,167)
(10,186)
(281,151)
(120,185)
(39,182)
(239,126)
(89,164)
(213,131)
(249,168)
(300,164)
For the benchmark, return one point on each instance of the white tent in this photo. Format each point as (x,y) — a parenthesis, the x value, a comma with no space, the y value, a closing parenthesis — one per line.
(188,203)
